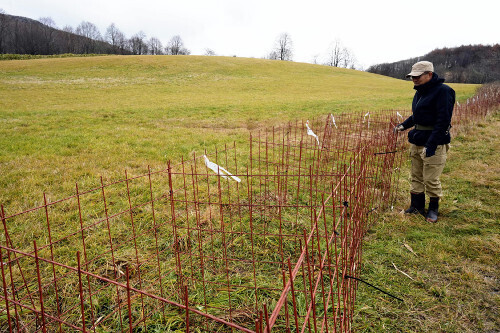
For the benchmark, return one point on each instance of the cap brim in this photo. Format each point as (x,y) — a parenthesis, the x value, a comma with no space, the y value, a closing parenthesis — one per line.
(415,74)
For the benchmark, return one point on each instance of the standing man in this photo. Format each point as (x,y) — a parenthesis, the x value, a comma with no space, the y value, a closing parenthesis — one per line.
(432,109)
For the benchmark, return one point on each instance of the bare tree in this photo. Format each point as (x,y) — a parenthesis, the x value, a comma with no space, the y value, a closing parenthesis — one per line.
(176,47)
(315,59)
(155,46)
(92,34)
(137,43)
(47,33)
(89,30)
(348,59)
(115,37)
(334,54)
(48,21)
(340,56)
(209,52)
(68,28)
(283,49)
(121,42)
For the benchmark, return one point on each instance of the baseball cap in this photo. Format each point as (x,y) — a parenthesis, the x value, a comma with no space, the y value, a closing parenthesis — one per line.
(420,67)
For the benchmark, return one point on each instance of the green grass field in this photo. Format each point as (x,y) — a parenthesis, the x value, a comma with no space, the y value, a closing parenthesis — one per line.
(67,120)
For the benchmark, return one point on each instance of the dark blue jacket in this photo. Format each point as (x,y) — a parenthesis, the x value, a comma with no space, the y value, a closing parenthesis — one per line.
(432,107)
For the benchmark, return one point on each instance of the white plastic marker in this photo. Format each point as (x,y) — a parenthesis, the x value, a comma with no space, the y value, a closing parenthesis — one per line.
(399,115)
(364,118)
(311,133)
(219,170)
(333,120)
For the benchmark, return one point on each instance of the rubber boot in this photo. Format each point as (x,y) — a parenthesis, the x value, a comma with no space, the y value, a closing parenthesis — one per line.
(417,205)
(432,212)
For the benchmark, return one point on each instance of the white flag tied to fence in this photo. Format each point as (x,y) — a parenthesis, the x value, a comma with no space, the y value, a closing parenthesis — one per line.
(333,120)
(219,170)
(399,115)
(311,133)
(364,118)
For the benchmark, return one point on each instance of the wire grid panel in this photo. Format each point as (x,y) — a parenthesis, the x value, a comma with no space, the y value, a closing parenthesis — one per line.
(184,248)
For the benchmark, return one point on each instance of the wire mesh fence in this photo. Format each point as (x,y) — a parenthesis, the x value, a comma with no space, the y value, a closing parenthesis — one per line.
(477,107)
(265,238)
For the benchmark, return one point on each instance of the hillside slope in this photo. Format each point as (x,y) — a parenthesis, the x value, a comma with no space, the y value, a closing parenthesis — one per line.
(74,119)
(242,87)
(22,35)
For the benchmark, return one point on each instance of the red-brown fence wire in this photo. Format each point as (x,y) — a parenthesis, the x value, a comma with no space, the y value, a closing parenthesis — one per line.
(186,249)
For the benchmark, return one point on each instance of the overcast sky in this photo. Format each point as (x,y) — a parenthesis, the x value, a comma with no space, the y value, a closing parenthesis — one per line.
(374,31)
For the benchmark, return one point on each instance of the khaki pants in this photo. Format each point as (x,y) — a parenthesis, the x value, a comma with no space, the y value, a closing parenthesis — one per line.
(425,171)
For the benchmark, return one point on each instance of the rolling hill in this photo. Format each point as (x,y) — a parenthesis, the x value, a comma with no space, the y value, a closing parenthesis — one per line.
(74,119)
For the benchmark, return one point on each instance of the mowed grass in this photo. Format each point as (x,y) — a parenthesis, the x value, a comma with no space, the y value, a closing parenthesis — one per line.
(75,119)
(454,270)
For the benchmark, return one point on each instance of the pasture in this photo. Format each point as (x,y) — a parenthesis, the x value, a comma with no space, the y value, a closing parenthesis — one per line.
(72,120)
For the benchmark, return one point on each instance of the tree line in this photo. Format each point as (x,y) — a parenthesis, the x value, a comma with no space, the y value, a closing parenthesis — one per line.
(465,64)
(21,35)
(337,55)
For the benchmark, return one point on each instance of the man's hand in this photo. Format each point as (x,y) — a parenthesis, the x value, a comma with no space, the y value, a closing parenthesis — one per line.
(429,152)
(398,128)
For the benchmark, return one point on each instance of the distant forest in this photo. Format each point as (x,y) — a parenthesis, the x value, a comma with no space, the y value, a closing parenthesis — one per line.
(464,64)
(21,35)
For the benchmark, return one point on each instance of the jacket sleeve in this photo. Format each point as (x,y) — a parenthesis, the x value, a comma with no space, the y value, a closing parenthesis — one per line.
(444,110)
(409,122)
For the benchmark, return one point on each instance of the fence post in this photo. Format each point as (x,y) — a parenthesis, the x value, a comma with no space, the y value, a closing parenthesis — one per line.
(40,287)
